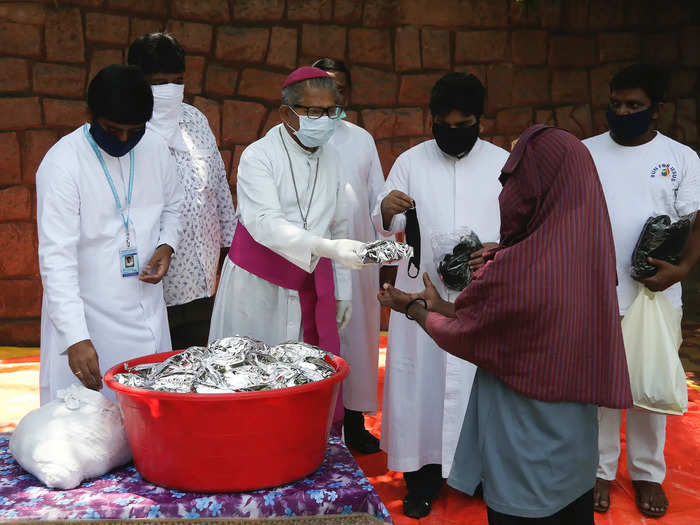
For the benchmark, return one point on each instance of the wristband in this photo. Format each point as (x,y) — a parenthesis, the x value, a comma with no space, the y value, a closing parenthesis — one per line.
(417,299)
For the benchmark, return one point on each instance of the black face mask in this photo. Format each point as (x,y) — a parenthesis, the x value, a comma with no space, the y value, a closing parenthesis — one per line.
(456,141)
(412,231)
(112,145)
(629,126)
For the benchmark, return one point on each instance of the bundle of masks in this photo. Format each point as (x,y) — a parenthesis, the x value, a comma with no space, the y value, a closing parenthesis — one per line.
(660,239)
(452,253)
(233,364)
(384,251)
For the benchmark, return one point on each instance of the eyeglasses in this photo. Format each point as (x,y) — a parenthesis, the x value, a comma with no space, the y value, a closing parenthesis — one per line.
(316,112)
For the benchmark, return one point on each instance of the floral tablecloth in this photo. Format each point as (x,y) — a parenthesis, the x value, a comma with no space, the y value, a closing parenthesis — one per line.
(338,487)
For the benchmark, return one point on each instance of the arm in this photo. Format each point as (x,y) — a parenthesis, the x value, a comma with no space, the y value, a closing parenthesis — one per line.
(58,224)
(687,203)
(669,274)
(387,215)
(448,332)
(170,226)
(224,201)
(261,213)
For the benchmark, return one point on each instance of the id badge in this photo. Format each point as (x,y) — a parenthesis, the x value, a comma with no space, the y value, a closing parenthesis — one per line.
(129,259)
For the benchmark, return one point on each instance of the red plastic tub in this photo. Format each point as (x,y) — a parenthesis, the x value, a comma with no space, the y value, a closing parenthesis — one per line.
(227,442)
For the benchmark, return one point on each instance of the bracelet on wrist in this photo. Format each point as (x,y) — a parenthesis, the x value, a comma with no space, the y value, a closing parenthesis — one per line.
(411,303)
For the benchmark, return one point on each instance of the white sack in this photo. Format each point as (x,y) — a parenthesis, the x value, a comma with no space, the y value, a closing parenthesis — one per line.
(77,436)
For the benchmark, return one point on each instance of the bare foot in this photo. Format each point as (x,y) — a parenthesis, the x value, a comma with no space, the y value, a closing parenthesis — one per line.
(601,495)
(651,499)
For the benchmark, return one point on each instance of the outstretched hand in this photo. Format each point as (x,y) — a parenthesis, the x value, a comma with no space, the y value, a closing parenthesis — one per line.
(394,298)
(430,293)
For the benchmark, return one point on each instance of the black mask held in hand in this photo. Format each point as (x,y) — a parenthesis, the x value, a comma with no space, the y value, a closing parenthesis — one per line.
(456,141)
(412,231)
(629,126)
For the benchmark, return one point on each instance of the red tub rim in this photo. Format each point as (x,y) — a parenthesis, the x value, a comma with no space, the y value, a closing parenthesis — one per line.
(341,372)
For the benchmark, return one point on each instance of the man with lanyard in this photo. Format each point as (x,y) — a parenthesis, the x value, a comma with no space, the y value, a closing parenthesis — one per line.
(278,282)
(208,217)
(643,174)
(108,220)
(359,343)
(452,182)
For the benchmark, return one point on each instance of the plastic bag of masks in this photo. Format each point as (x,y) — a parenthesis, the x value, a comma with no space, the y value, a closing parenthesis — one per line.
(79,435)
(451,252)
(660,239)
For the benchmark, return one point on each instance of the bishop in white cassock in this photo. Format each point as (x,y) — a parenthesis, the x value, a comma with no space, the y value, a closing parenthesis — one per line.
(291,219)
(453,183)
(92,316)
(249,305)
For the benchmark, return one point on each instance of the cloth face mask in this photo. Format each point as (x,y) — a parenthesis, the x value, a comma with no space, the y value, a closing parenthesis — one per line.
(167,112)
(456,141)
(112,145)
(629,126)
(412,231)
(314,132)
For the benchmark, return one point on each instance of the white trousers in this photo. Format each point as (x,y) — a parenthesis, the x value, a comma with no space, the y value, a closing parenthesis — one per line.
(645,435)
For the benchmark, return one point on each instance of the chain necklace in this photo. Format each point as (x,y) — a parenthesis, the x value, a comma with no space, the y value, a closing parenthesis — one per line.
(296,192)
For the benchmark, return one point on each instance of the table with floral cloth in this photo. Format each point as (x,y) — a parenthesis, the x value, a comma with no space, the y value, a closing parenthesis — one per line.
(338,487)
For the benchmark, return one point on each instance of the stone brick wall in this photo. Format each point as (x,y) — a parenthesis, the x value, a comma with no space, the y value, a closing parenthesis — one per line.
(550,64)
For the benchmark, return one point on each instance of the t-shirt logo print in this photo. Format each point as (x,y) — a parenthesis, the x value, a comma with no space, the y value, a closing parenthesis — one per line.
(664,170)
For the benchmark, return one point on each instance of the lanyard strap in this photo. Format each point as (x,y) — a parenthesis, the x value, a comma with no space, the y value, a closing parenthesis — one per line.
(98,154)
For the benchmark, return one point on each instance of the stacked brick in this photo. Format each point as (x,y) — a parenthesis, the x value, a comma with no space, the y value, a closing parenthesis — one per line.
(548,64)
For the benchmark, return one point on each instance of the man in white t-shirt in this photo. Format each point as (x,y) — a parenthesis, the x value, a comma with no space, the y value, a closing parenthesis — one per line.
(643,174)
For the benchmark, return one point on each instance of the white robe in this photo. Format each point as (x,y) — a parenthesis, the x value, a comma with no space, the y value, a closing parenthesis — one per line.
(80,235)
(426,390)
(267,206)
(359,342)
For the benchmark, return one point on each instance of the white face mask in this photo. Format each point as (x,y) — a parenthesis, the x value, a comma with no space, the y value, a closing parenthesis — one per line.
(314,132)
(167,111)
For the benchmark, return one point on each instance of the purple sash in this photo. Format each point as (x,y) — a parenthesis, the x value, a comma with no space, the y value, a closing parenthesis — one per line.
(316,290)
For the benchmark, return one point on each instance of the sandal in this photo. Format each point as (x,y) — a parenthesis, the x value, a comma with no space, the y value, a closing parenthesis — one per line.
(653,496)
(601,493)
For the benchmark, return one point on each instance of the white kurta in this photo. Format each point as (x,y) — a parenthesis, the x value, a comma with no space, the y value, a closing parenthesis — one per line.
(80,235)
(359,342)
(426,390)
(267,206)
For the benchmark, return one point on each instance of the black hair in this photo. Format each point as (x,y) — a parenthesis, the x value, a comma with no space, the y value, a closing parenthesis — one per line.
(157,53)
(461,91)
(330,64)
(653,80)
(120,94)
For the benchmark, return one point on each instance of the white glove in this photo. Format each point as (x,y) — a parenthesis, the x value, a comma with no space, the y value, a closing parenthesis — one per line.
(343,251)
(343,313)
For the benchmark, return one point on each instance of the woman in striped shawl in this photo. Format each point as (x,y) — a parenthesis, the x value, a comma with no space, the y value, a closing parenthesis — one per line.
(540,320)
